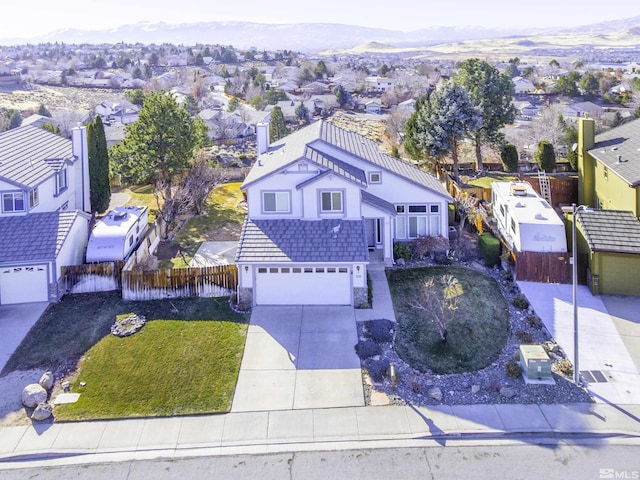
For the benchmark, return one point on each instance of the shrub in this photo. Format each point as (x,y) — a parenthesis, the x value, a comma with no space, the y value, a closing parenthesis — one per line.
(490,248)
(524,337)
(521,302)
(545,157)
(534,321)
(423,246)
(380,331)
(509,157)
(565,367)
(367,349)
(452,213)
(512,368)
(378,369)
(401,250)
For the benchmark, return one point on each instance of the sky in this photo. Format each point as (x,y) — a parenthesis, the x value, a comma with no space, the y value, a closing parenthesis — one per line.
(26,19)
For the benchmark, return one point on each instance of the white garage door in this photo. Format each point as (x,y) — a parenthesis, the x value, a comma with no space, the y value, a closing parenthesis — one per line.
(23,284)
(303,286)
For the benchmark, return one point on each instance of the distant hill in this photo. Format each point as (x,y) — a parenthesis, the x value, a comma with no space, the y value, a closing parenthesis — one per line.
(306,37)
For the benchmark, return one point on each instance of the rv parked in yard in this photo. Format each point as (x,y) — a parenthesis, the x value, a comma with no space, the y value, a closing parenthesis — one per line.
(117,234)
(526,220)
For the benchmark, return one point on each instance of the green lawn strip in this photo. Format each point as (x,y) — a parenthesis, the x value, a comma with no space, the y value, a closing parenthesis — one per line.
(476,334)
(69,328)
(486,180)
(170,367)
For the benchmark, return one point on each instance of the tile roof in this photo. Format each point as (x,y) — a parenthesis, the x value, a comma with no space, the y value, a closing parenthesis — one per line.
(36,236)
(310,143)
(622,141)
(610,231)
(378,203)
(29,155)
(302,241)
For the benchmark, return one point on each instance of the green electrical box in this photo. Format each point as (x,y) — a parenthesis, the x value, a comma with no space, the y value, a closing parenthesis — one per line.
(535,362)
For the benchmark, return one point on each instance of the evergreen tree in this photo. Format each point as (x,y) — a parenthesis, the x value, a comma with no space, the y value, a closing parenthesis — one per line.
(509,157)
(277,125)
(302,113)
(99,188)
(545,156)
(491,92)
(42,110)
(445,117)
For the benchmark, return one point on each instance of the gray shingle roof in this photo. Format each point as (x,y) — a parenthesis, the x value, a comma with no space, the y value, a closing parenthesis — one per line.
(378,203)
(35,237)
(312,141)
(624,141)
(610,231)
(302,241)
(30,155)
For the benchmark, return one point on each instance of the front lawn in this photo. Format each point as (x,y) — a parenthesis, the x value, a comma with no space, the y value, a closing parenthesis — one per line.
(477,332)
(186,358)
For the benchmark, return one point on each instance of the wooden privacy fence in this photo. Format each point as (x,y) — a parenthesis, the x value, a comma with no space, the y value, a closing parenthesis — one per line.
(544,267)
(179,282)
(92,277)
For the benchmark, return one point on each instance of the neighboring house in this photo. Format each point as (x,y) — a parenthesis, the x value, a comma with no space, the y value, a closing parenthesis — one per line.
(44,188)
(408,105)
(609,174)
(38,121)
(318,201)
(379,84)
(522,86)
(526,110)
(583,110)
(612,240)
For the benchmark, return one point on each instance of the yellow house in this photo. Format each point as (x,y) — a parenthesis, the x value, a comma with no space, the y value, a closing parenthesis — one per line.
(609,173)
(609,166)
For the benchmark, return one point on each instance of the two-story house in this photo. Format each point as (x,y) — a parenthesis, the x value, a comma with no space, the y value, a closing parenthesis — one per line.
(44,194)
(319,200)
(609,183)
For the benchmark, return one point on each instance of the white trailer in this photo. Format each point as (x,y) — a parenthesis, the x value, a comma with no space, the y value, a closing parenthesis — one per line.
(526,220)
(117,234)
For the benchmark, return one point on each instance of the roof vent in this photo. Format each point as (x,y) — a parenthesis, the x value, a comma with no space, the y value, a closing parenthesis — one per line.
(620,160)
(519,190)
(119,216)
(539,216)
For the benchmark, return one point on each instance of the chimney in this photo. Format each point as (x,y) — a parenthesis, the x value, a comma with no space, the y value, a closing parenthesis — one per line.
(80,151)
(262,133)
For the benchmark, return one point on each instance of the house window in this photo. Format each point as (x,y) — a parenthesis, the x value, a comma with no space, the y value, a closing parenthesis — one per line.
(375,177)
(61,181)
(606,172)
(33,198)
(401,227)
(275,202)
(414,221)
(331,201)
(513,225)
(417,227)
(13,202)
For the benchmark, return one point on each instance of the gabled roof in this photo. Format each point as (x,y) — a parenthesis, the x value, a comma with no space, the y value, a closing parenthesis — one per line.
(378,203)
(302,241)
(610,231)
(29,155)
(623,141)
(311,143)
(35,237)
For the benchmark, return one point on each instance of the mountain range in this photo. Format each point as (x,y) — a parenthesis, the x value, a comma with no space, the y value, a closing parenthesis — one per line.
(305,37)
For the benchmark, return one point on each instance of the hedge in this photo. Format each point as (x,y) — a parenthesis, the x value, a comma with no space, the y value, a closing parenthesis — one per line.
(490,248)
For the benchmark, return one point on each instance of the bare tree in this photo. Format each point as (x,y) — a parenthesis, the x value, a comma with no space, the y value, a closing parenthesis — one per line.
(467,209)
(200,180)
(439,304)
(549,126)
(395,123)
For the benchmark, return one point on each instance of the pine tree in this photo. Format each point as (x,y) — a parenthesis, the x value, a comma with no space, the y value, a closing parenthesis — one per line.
(277,125)
(545,156)
(99,188)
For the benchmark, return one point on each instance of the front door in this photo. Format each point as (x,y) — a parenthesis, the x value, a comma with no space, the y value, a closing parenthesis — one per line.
(372,229)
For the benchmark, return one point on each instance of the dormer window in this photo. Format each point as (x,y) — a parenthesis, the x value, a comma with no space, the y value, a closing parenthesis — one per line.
(331,202)
(375,177)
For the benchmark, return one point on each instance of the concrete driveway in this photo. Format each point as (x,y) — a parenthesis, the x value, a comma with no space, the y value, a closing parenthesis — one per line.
(299,357)
(15,323)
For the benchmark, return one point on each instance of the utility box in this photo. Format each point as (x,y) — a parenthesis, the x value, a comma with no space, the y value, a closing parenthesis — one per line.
(535,362)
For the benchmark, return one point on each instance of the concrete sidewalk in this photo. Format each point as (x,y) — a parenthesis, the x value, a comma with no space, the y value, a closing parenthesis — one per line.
(295,430)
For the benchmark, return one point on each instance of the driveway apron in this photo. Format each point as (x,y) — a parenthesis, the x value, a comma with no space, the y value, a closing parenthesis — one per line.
(299,357)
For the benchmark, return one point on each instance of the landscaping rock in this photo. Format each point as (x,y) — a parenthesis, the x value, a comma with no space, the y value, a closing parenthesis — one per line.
(42,412)
(435,393)
(33,395)
(46,381)
(128,325)
(475,389)
(400,262)
(508,392)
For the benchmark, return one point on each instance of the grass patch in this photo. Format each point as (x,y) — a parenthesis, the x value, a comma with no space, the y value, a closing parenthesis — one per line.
(476,334)
(185,360)
(143,195)
(170,367)
(486,180)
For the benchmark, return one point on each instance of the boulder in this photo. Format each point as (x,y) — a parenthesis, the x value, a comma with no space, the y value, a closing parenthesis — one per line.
(400,262)
(46,381)
(33,395)
(42,412)
(508,392)
(435,393)
(475,388)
